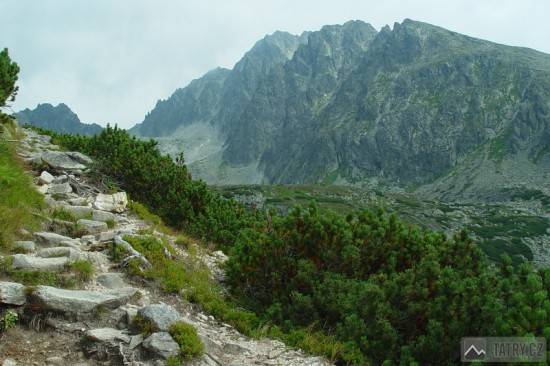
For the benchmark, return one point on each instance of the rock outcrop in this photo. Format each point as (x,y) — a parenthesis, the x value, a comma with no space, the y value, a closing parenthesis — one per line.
(406,106)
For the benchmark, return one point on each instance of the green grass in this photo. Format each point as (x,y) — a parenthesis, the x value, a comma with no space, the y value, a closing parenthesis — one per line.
(73,275)
(83,270)
(61,214)
(186,337)
(20,203)
(143,213)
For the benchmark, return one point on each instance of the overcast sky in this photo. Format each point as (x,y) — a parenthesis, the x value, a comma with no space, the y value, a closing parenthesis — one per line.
(111,60)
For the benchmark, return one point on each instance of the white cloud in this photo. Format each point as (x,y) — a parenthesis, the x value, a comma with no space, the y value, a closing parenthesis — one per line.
(110,61)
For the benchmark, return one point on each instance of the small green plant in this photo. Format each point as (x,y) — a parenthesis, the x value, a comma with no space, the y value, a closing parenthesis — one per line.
(143,213)
(64,215)
(82,269)
(8,319)
(145,327)
(77,231)
(100,310)
(117,252)
(186,337)
(35,278)
(110,223)
(173,361)
(183,241)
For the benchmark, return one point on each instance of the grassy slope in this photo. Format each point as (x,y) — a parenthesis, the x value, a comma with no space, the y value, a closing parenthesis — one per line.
(20,203)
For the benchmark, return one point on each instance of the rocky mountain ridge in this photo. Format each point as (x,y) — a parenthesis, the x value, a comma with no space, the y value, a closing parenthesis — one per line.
(402,107)
(95,324)
(59,119)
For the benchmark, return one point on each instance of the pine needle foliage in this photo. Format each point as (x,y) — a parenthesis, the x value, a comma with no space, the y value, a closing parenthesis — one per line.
(381,291)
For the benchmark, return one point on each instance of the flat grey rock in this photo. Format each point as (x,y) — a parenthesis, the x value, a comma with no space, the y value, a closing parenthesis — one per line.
(99,215)
(27,246)
(79,201)
(111,281)
(12,293)
(72,254)
(161,344)
(107,335)
(115,203)
(62,188)
(31,263)
(45,178)
(53,240)
(55,360)
(77,301)
(93,227)
(9,362)
(66,160)
(160,315)
(135,341)
(105,236)
(80,212)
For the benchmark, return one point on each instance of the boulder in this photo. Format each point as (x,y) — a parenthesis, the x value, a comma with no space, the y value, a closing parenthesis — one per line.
(105,236)
(161,344)
(115,203)
(79,201)
(12,293)
(111,281)
(9,361)
(61,179)
(70,253)
(77,301)
(24,245)
(50,201)
(160,315)
(80,212)
(66,160)
(107,335)
(53,240)
(62,188)
(31,263)
(104,216)
(55,360)
(45,178)
(92,227)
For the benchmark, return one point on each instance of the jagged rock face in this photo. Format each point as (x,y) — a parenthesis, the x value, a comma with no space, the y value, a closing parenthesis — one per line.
(197,103)
(220,94)
(419,99)
(293,90)
(59,119)
(401,106)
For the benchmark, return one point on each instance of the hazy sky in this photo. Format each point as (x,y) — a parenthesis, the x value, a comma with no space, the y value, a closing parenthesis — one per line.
(111,60)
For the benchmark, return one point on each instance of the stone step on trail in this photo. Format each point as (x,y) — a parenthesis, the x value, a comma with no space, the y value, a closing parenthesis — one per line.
(80,212)
(77,301)
(26,246)
(49,239)
(12,293)
(69,160)
(35,264)
(100,215)
(93,227)
(70,253)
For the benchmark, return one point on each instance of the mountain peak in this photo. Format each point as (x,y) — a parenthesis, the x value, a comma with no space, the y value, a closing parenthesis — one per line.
(59,118)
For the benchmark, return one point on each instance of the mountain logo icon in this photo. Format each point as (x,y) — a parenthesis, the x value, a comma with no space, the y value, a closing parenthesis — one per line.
(473,349)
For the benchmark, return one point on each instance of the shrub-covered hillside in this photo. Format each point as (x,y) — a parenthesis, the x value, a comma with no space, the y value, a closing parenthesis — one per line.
(380,291)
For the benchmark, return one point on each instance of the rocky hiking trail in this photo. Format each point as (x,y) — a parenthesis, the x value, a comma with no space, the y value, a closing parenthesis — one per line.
(93,324)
